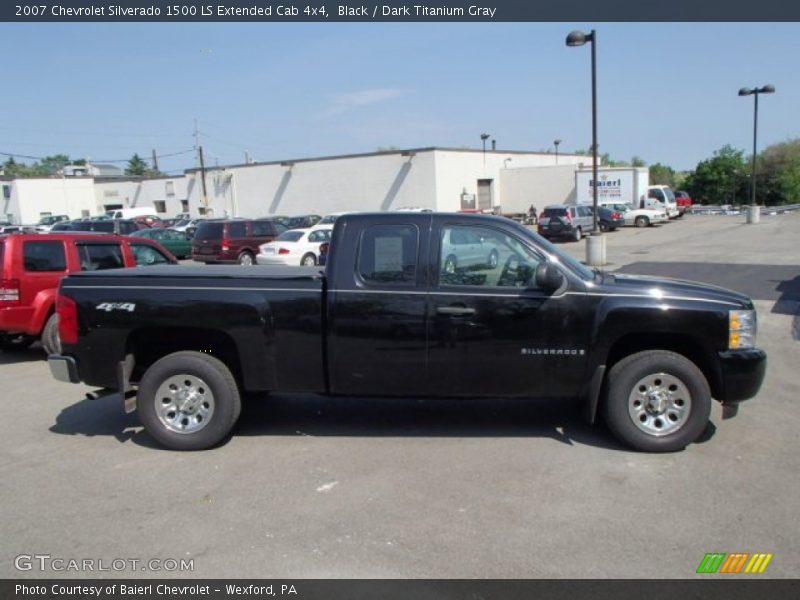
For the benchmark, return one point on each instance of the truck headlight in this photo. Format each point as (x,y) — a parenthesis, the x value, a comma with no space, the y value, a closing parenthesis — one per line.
(741,329)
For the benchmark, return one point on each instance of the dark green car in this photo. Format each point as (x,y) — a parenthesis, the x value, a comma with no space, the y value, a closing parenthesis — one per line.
(175,241)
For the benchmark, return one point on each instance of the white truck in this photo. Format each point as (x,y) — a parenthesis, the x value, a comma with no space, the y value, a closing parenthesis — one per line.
(129,213)
(625,185)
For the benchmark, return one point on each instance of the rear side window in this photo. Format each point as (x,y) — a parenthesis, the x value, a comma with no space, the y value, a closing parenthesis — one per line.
(95,257)
(104,226)
(209,231)
(388,254)
(290,236)
(237,230)
(42,257)
(261,228)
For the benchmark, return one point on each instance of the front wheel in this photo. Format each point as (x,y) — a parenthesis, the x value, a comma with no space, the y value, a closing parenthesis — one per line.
(494,258)
(577,234)
(641,221)
(450,265)
(309,260)
(657,401)
(188,401)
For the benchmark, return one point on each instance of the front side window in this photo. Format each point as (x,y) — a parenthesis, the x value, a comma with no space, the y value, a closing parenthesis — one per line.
(388,254)
(492,258)
(147,255)
(96,257)
(42,257)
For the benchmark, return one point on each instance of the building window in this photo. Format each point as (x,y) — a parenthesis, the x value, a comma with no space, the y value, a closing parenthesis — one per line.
(170,188)
(160,205)
(185,206)
(6,192)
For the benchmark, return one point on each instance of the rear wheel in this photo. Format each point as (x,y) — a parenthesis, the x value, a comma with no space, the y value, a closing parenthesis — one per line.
(604,226)
(14,342)
(309,260)
(188,401)
(50,340)
(641,221)
(245,258)
(657,401)
(577,234)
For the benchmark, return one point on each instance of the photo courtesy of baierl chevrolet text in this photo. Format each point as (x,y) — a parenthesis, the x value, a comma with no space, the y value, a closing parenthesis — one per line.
(438,300)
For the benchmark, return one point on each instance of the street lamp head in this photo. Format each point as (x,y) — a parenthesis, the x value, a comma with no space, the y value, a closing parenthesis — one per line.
(745,91)
(485,136)
(767,89)
(578,38)
(556,142)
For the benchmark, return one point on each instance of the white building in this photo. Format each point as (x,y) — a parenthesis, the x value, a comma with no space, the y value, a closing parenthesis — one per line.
(443,179)
(167,195)
(25,201)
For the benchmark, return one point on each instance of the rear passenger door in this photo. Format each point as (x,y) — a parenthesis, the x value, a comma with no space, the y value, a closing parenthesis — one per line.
(44,263)
(377,307)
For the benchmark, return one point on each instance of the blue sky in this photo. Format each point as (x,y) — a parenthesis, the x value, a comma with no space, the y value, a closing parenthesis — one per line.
(667,92)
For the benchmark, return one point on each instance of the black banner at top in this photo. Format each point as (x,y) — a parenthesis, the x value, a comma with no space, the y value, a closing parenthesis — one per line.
(397,10)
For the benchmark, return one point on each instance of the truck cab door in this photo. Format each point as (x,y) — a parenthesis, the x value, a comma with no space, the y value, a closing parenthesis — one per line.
(377,306)
(492,331)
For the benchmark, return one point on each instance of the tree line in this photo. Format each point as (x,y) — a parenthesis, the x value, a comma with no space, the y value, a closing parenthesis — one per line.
(52,166)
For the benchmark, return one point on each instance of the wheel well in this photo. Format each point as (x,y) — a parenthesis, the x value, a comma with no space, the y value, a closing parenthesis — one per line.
(147,345)
(680,344)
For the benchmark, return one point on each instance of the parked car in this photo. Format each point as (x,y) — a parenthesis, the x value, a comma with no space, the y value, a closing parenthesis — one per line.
(303,221)
(32,265)
(149,220)
(684,202)
(294,247)
(381,322)
(565,221)
(233,240)
(639,217)
(176,242)
(608,219)
(329,219)
(46,223)
(118,226)
(465,248)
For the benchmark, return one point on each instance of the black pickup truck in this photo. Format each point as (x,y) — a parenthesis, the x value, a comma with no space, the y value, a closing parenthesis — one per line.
(412,305)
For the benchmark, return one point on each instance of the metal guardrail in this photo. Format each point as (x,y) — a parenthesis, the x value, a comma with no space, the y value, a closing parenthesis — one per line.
(727,209)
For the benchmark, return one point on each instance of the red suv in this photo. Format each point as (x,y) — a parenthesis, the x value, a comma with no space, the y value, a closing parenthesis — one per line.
(233,241)
(32,265)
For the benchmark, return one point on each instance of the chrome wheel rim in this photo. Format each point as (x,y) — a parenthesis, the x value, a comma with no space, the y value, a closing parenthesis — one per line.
(659,404)
(184,403)
(246,259)
(309,261)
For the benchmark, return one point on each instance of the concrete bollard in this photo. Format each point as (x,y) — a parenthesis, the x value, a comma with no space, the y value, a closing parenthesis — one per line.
(596,250)
(753,213)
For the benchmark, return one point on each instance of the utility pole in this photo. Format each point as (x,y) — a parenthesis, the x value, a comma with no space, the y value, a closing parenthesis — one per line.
(155,161)
(246,157)
(199,149)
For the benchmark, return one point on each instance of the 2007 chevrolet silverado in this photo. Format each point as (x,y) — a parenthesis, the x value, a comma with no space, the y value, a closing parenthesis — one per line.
(412,304)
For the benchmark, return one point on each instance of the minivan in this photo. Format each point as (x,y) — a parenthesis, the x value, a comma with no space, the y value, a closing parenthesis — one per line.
(233,240)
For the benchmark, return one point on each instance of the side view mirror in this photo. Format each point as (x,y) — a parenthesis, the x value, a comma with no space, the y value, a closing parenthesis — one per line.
(548,277)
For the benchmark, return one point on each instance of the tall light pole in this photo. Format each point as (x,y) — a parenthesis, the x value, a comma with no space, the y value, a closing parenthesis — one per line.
(767,89)
(556,143)
(484,137)
(578,38)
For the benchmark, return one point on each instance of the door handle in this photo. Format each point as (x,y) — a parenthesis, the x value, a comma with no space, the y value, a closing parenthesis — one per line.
(455,311)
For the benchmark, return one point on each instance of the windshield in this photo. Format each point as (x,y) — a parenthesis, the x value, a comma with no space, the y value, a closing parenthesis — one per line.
(670,196)
(289,236)
(328,220)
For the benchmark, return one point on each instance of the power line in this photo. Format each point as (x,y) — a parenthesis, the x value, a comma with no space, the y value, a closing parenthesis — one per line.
(97,160)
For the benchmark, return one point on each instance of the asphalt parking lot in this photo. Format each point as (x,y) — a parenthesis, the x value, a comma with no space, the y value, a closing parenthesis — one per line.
(314,487)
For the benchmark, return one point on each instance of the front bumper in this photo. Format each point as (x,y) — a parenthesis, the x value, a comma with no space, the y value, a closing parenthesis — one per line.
(63,368)
(741,374)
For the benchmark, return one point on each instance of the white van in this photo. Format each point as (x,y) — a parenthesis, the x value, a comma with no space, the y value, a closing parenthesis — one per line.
(129,213)
(660,198)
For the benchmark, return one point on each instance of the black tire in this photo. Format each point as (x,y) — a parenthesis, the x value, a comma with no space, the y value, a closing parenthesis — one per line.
(577,234)
(450,265)
(494,259)
(246,259)
(684,412)
(51,343)
(226,404)
(15,342)
(309,260)
(641,221)
(604,226)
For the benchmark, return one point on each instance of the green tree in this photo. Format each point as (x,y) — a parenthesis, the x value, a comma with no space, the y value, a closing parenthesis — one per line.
(51,165)
(136,166)
(779,173)
(720,179)
(638,161)
(662,175)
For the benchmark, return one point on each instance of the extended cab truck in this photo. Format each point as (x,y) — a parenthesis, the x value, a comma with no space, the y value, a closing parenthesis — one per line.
(392,315)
